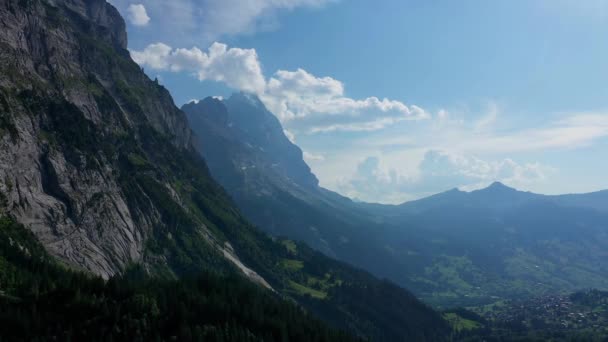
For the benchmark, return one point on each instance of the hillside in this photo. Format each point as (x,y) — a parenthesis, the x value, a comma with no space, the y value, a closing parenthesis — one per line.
(40,297)
(272,185)
(499,243)
(100,165)
(454,248)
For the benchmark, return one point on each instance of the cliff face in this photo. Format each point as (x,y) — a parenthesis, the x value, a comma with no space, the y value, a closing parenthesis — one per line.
(254,125)
(248,153)
(72,110)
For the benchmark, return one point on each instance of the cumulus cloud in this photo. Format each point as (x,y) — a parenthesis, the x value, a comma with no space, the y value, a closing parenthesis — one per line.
(137,15)
(309,157)
(302,101)
(290,136)
(445,170)
(237,68)
(321,104)
(438,171)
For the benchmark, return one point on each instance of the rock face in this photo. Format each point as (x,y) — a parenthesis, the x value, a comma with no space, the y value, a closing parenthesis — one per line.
(69,97)
(254,125)
(252,142)
(249,155)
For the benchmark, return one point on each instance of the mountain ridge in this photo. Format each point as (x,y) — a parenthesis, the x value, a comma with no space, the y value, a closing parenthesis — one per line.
(453,248)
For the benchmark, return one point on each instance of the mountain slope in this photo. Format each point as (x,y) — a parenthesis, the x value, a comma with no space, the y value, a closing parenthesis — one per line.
(268,179)
(72,114)
(500,243)
(39,298)
(100,165)
(454,248)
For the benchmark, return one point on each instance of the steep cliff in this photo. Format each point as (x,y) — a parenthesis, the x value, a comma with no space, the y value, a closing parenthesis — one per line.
(248,153)
(73,108)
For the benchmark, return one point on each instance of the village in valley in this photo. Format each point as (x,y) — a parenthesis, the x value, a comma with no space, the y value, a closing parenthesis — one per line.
(580,314)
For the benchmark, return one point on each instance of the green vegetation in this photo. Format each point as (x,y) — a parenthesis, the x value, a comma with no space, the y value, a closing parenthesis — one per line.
(302,290)
(292,265)
(40,299)
(137,161)
(582,316)
(460,324)
(290,245)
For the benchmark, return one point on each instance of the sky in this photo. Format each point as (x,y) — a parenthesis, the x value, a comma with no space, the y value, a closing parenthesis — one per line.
(397,100)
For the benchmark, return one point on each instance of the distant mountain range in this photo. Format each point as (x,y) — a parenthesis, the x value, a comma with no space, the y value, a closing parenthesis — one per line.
(453,248)
(474,247)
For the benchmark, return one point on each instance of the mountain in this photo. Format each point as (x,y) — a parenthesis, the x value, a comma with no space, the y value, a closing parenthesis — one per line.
(98,163)
(454,248)
(249,155)
(499,243)
(40,298)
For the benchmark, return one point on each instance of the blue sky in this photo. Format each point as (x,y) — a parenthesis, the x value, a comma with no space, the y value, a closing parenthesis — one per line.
(396,100)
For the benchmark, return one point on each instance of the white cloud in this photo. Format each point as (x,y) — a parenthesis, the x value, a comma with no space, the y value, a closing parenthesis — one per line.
(155,56)
(376,181)
(194,21)
(237,68)
(230,17)
(311,157)
(137,15)
(445,169)
(290,136)
(573,131)
(369,126)
(319,104)
(303,102)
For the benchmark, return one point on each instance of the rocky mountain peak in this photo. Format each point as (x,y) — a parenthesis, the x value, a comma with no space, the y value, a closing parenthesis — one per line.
(110,22)
(498,186)
(245,121)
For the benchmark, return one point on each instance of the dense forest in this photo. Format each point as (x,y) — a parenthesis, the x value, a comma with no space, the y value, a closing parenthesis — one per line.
(43,300)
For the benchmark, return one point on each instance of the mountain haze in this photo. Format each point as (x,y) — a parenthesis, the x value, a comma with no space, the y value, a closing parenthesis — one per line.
(453,248)
(249,154)
(498,242)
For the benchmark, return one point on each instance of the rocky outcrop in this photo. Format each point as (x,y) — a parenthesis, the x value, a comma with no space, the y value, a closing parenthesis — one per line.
(69,97)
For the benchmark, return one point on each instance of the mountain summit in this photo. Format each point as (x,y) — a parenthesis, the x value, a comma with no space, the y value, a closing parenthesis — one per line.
(256,126)
(498,186)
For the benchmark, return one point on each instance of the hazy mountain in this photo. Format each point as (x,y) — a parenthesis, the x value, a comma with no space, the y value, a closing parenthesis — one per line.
(97,162)
(497,242)
(249,154)
(454,248)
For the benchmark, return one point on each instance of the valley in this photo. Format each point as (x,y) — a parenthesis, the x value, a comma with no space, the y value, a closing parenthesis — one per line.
(452,249)
(124,217)
(578,316)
